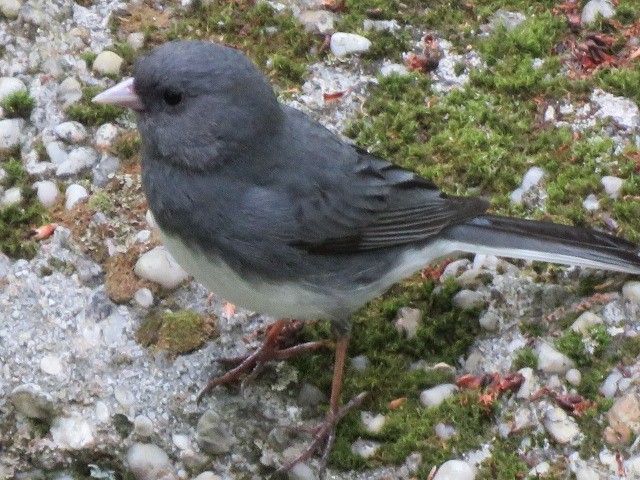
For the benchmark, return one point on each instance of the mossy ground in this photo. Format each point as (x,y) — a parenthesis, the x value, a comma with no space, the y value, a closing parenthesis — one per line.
(179,332)
(481,140)
(18,105)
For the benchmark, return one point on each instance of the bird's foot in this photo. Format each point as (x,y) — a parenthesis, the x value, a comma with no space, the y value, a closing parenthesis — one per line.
(250,365)
(324,436)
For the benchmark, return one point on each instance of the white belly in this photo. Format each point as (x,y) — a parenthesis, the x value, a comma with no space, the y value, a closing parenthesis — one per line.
(287,300)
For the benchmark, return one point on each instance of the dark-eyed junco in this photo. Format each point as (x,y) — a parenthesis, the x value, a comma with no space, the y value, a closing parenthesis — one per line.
(272,212)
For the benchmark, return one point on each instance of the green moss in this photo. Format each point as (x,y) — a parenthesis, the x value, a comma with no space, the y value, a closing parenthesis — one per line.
(179,332)
(16,221)
(18,105)
(92,114)
(525,358)
(89,57)
(444,334)
(584,351)
(102,202)
(505,462)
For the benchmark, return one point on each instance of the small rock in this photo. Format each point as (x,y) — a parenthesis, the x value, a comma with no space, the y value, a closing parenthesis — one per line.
(631,292)
(574,377)
(143,236)
(212,437)
(107,63)
(102,412)
(213,476)
(345,43)
(302,471)
(591,203)
(381,25)
(550,114)
(142,426)
(407,321)
(365,448)
(508,20)
(104,171)
(11,133)
(144,297)
(552,361)
(621,110)
(530,384)
(148,462)
(317,21)
(32,402)
(586,473)
(455,268)
(585,322)
(77,160)
(71,433)
(51,365)
(490,321)
(372,423)
(389,69)
(540,470)
(445,432)
(632,467)
(106,135)
(455,470)
(158,266)
(56,153)
(10,8)
(624,416)
(468,299)
(310,396)
(136,40)
(10,85)
(516,196)
(70,132)
(47,192)
(181,441)
(612,185)
(69,91)
(532,178)
(561,426)
(609,387)
(75,193)
(11,196)
(595,8)
(433,397)
(360,363)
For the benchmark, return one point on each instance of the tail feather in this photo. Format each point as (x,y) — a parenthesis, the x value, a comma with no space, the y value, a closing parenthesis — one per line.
(547,242)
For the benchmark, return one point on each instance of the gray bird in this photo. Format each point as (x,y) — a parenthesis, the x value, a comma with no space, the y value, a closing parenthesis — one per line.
(271,211)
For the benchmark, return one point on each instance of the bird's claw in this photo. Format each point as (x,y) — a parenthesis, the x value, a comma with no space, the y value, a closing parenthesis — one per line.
(325,433)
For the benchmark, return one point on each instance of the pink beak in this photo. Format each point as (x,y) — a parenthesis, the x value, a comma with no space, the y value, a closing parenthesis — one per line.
(122,94)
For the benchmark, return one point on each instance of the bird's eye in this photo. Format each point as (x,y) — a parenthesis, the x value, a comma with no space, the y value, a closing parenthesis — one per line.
(172,97)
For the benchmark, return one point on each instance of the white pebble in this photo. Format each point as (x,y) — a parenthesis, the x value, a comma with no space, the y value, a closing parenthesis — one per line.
(10,8)
(148,462)
(11,133)
(389,69)
(372,423)
(612,185)
(56,152)
(591,203)
(585,322)
(158,266)
(136,40)
(106,135)
(516,196)
(102,411)
(345,43)
(213,476)
(445,432)
(71,433)
(143,236)
(609,387)
(574,377)
(551,360)
(365,448)
(455,470)
(70,132)
(302,471)
(143,297)
(455,268)
(77,160)
(561,426)
(51,365)
(181,441)
(124,396)
(360,363)
(11,196)
(407,321)
(69,91)
(532,178)
(47,192)
(107,63)
(595,8)
(631,292)
(433,397)
(468,299)
(142,426)
(10,85)
(587,473)
(75,193)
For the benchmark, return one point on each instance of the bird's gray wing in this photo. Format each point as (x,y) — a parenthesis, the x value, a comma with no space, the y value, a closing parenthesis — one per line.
(376,205)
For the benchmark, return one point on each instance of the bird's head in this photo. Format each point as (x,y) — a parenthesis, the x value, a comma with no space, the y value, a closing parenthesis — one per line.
(198,103)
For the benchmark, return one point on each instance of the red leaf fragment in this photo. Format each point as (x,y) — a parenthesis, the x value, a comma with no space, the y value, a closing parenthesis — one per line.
(43,232)
(332,97)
